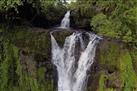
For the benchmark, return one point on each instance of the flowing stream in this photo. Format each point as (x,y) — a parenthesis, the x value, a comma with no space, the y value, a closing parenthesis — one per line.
(65,23)
(72,73)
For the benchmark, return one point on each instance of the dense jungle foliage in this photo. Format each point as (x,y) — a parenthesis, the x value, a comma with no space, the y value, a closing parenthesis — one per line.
(31,12)
(113,18)
(23,52)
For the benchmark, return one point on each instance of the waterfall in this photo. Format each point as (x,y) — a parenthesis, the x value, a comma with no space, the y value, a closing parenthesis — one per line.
(72,74)
(65,23)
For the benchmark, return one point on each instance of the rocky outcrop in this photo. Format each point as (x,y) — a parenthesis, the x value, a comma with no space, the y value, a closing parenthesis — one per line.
(113,69)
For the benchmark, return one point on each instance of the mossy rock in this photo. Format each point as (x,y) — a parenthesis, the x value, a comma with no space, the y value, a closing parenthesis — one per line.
(60,36)
(115,68)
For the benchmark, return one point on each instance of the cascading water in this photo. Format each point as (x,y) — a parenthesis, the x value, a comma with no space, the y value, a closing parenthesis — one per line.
(72,74)
(65,23)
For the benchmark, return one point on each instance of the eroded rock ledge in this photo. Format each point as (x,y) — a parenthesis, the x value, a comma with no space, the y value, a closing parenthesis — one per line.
(112,70)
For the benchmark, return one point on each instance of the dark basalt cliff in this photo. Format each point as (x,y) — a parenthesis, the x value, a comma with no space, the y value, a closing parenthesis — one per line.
(114,68)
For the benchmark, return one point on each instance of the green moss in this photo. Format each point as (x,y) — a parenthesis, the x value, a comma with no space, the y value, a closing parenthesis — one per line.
(61,36)
(8,60)
(41,74)
(134,59)
(128,76)
(108,56)
(116,68)
(102,83)
(109,65)
(116,63)
(1,30)
(16,74)
(31,41)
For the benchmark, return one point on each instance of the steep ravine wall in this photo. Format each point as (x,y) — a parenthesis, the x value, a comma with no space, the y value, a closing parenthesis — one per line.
(114,68)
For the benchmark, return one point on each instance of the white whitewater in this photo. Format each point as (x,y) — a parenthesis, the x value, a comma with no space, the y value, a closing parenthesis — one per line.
(70,76)
(65,23)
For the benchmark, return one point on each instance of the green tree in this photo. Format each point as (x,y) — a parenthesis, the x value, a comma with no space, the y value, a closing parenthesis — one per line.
(7,4)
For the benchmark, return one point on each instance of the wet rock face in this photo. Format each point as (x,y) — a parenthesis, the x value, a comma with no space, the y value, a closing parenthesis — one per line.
(35,53)
(112,68)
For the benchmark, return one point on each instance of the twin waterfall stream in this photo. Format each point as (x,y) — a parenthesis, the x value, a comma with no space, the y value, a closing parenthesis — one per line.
(74,59)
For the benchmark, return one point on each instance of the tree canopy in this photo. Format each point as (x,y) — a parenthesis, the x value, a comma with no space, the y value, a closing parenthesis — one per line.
(32,11)
(113,18)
